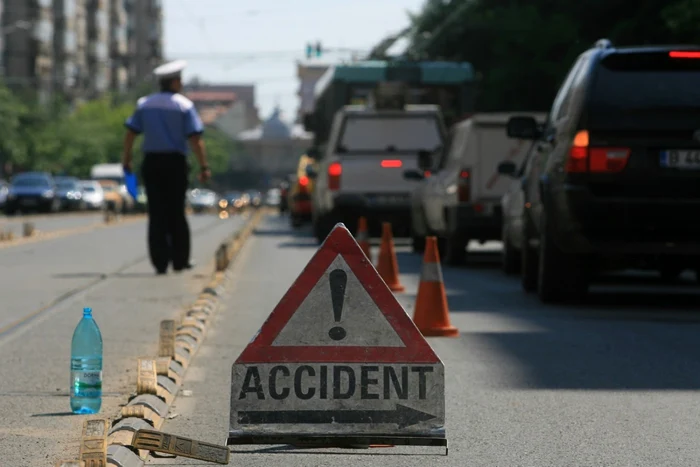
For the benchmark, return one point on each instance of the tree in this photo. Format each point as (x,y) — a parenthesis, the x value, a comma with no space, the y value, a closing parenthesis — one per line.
(523,49)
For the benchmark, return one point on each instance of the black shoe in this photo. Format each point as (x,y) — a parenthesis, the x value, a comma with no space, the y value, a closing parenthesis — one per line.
(161,272)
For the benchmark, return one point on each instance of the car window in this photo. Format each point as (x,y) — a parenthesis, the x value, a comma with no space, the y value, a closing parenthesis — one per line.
(31,182)
(558,107)
(381,135)
(645,91)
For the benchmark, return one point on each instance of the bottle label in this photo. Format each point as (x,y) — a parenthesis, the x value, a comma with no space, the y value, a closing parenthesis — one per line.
(86,383)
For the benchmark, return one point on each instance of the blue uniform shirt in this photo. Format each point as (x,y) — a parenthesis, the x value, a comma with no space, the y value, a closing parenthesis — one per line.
(166,120)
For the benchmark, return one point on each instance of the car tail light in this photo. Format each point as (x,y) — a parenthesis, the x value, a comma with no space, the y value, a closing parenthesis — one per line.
(683,54)
(392,164)
(335,170)
(583,158)
(303,184)
(426,173)
(464,186)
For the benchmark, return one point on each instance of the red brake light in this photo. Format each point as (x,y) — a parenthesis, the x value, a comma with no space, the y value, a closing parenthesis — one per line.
(583,158)
(304,181)
(426,174)
(464,186)
(683,54)
(335,170)
(391,163)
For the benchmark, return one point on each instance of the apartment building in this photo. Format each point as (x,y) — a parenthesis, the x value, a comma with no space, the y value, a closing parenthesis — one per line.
(118,45)
(27,53)
(79,48)
(145,38)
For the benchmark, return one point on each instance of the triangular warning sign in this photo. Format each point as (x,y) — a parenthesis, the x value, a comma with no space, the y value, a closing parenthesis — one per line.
(339,310)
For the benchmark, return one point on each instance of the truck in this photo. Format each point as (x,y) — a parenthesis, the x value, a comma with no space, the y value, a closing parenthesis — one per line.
(450,85)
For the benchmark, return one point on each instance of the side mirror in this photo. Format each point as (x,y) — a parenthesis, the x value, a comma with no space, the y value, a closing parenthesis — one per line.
(507,168)
(311,172)
(523,128)
(413,174)
(425,160)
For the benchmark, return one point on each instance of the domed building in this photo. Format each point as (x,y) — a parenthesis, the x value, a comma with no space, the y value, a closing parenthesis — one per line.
(273,148)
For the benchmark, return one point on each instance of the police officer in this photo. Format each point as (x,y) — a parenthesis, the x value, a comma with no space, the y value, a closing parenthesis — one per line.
(168,121)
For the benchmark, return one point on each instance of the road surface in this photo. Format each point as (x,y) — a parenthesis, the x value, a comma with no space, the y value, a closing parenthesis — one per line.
(610,382)
(51,222)
(44,286)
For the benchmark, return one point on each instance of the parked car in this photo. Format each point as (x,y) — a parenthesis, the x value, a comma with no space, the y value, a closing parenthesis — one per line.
(93,196)
(203,200)
(616,173)
(255,198)
(69,191)
(272,198)
(4,190)
(32,191)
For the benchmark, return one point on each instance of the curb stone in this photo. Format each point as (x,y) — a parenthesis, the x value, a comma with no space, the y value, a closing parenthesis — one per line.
(190,332)
(149,411)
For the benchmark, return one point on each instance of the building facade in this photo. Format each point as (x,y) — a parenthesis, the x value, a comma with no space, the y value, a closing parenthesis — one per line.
(27,53)
(145,38)
(79,48)
(308,73)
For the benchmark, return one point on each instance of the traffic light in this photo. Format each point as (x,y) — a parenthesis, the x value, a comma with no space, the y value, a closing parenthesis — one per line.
(309,50)
(319,49)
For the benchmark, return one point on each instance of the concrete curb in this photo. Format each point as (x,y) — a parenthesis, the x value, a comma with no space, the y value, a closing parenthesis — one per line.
(149,411)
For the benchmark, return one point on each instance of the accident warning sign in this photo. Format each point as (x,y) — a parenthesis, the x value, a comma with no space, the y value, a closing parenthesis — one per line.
(337,357)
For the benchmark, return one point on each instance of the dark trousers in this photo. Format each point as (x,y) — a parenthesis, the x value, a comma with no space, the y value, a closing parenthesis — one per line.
(165,177)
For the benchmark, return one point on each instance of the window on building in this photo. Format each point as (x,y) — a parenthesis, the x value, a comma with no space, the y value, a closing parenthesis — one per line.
(69,8)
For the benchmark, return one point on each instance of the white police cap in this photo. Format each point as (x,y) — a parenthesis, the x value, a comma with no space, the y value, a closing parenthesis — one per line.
(170,70)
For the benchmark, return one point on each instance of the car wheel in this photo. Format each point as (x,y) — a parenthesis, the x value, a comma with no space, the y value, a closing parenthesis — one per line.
(670,273)
(562,276)
(529,267)
(322,227)
(417,244)
(453,250)
(510,257)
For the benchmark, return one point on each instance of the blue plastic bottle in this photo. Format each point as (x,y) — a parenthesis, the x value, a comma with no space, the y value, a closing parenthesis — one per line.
(86,366)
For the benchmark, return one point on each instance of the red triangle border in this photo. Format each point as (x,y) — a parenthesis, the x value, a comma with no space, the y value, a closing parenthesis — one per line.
(339,242)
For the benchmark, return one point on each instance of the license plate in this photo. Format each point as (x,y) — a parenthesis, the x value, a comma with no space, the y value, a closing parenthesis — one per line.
(387,199)
(680,159)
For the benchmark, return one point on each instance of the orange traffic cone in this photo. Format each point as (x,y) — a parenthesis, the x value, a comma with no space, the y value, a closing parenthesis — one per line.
(431,315)
(363,236)
(387,265)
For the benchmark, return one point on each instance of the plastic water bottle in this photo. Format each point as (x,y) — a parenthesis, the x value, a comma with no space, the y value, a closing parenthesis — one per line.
(86,366)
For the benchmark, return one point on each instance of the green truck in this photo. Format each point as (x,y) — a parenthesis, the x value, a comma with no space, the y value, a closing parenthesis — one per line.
(450,85)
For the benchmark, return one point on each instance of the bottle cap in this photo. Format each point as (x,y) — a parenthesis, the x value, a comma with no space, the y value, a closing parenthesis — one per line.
(87,311)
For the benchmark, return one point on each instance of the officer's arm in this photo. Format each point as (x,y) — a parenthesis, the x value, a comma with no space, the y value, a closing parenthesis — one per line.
(129,139)
(199,149)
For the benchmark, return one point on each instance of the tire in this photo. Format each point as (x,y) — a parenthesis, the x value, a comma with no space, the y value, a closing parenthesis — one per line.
(321,227)
(510,257)
(453,251)
(562,277)
(418,244)
(670,273)
(529,260)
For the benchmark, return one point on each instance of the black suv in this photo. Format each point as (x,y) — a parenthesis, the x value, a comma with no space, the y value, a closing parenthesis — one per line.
(614,181)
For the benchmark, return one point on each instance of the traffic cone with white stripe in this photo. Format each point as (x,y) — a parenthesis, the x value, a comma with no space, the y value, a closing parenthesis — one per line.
(387,265)
(363,237)
(431,315)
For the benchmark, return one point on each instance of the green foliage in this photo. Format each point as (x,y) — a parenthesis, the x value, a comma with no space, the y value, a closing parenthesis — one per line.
(60,139)
(523,49)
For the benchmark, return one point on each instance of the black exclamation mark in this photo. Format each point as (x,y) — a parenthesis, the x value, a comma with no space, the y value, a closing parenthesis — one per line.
(338,279)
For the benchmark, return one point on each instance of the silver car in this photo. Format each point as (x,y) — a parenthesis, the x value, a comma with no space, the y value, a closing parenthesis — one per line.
(93,195)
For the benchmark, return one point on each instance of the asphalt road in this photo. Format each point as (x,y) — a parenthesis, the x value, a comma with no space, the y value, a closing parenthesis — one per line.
(50,222)
(44,286)
(610,382)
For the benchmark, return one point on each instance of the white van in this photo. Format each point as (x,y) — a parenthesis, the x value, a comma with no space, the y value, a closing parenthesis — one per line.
(361,171)
(460,200)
